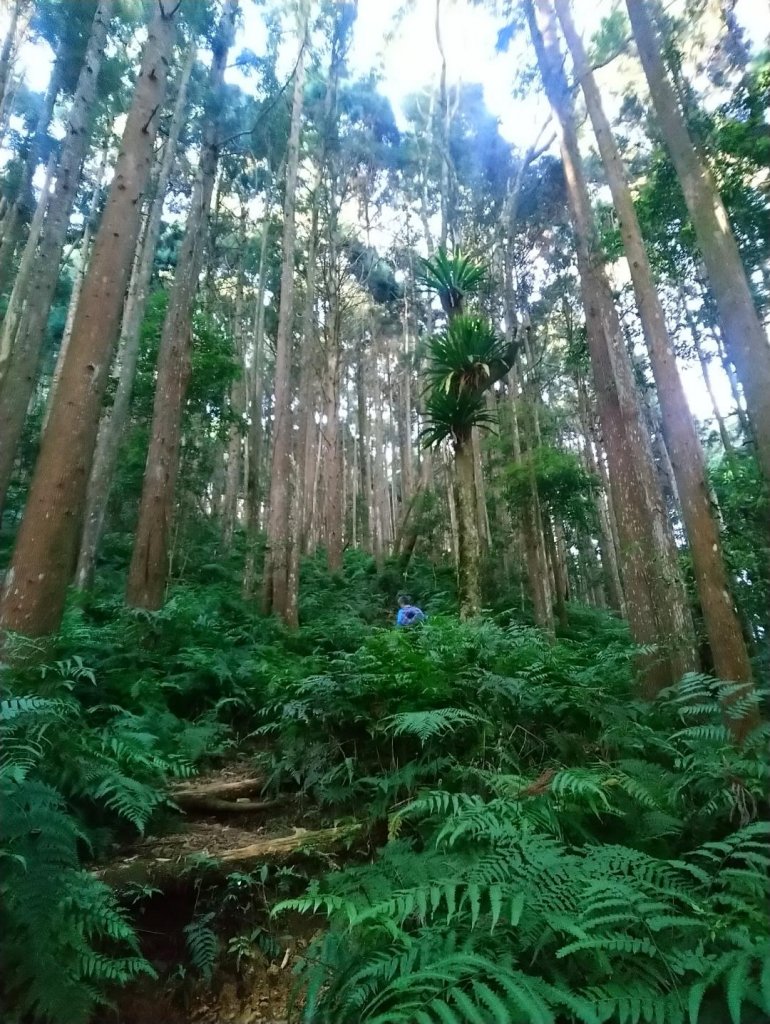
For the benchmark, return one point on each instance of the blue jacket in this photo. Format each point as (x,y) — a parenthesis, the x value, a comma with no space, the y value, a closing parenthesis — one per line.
(409,615)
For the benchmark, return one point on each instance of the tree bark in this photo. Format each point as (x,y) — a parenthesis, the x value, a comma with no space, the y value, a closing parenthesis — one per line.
(36,289)
(276,597)
(744,335)
(46,547)
(657,605)
(77,285)
(148,571)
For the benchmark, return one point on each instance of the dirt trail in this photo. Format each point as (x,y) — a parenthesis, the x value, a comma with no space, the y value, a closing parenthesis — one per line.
(225,825)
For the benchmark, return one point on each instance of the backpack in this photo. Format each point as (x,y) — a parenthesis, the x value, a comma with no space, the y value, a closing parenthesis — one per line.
(412,615)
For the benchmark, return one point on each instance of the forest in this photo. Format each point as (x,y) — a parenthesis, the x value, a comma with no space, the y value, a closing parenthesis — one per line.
(316,310)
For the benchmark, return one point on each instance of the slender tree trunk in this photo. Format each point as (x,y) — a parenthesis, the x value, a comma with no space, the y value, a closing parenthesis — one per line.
(695,333)
(557,573)
(307,371)
(468,553)
(16,301)
(113,421)
(276,595)
(36,288)
(46,547)
(148,571)
(9,47)
(256,400)
(744,335)
(21,210)
(238,399)
(657,605)
(365,462)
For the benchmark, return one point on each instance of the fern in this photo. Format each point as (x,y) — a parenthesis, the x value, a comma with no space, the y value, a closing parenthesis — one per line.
(202,945)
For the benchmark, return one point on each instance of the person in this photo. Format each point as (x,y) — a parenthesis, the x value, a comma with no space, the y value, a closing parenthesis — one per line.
(408,613)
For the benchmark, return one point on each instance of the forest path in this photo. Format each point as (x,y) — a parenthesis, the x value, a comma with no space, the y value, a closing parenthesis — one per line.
(226,825)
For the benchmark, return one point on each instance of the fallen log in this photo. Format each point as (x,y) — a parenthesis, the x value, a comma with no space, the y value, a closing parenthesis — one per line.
(217,790)
(215,805)
(191,863)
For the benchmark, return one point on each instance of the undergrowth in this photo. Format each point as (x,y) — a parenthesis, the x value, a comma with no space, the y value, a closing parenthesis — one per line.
(557,851)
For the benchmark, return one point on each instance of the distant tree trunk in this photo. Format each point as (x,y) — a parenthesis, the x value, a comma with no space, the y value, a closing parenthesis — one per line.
(35,286)
(744,335)
(364,461)
(256,400)
(238,398)
(276,595)
(468,549)
(46,547)
(148,571)
(656,600)
(695,333)
(304,450)
(10,44)
(113,421)
(17,298)
(21,209)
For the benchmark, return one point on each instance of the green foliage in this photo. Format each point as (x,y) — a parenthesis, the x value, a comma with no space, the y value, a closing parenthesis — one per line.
(563,486)
(452,276)
(64,937)
(464,356)
(558,849)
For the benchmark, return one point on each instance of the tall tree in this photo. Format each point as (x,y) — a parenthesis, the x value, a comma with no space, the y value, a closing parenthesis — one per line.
(744,335)
(656,600)
(278,589)
(33,291)
(731,659)
(44,556)
(114,419)
(149,562)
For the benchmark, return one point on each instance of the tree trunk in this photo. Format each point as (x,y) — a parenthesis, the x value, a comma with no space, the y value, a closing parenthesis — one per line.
(657,605)
(680,439)
(17,298)
(36,289)
(256,399)
(742,328)
(364,461)
(77,285)
(46,547)
(468,552)
(238,399)
(694,330)
(276,597)
(113,421)
(20,211)
(9,47)
(148,571)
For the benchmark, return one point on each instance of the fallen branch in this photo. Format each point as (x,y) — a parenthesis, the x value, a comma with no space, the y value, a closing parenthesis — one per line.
(188,866)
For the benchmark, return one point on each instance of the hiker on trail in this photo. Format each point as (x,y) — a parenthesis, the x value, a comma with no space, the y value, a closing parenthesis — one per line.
(408,613)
